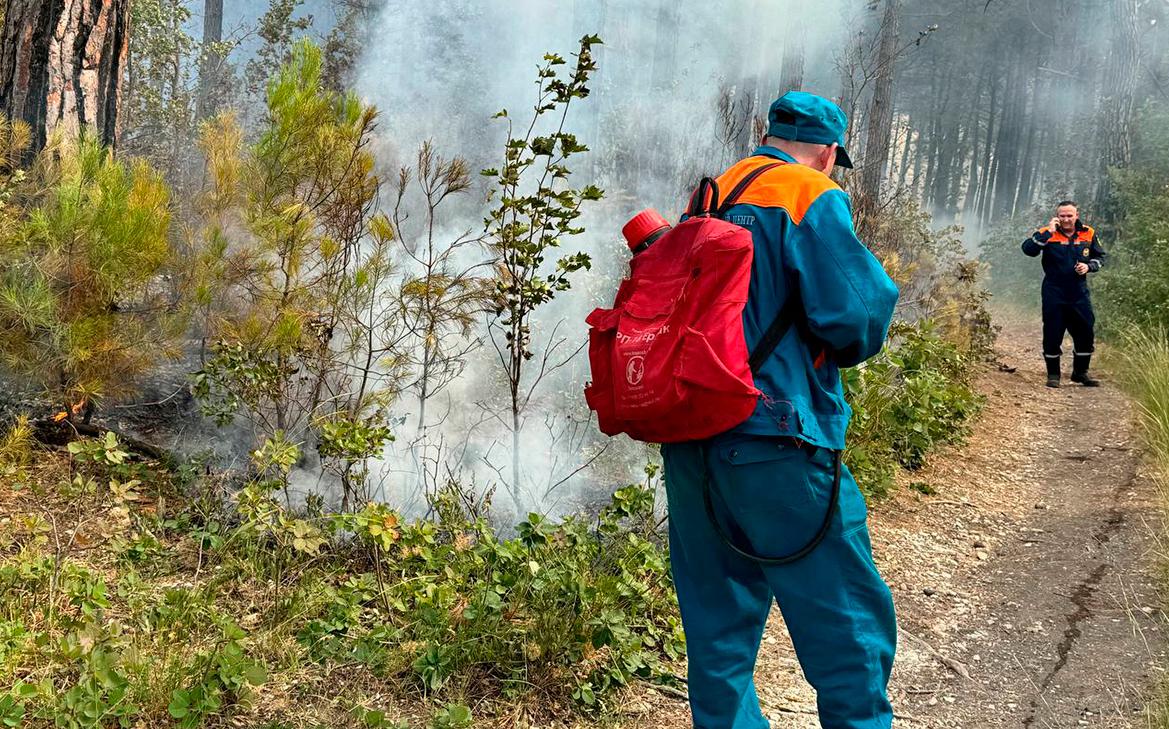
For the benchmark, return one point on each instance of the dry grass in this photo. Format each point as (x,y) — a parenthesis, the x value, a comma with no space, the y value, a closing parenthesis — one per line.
(1143,365)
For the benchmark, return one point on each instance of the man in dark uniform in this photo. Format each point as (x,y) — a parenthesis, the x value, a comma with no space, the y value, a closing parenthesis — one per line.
(1070,252)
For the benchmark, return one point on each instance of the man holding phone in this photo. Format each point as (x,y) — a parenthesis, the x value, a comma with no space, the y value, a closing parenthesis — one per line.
(1070,252)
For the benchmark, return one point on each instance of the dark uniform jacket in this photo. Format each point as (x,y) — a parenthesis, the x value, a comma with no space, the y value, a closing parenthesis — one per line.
(1061,253)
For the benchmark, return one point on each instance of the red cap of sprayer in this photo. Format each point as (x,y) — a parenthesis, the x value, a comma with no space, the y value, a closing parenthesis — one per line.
(644,228)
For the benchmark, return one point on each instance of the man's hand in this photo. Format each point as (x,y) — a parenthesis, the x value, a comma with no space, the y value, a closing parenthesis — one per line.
(1081,268)
(1053,224)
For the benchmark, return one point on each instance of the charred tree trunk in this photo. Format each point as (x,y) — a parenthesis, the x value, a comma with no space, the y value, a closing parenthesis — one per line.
(931,149)
(880,116)
(917,185)
(974,119)
(957,168)
(61,66)
(1030,150)
(850,89)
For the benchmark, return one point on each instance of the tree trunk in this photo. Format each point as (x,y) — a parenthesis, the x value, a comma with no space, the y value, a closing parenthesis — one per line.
(61,65)
(1118,100)
(983,192)
(1006,150)
(791,74)
(212,65)
(974,119)
(880,116)
(850,88)
(907,147)
(517,492)
(944,134)
(957,173)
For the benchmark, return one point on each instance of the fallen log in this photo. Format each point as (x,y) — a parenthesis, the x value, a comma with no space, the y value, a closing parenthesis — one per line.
(61,433)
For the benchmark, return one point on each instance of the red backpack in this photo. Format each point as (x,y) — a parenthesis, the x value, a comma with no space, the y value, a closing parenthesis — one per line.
(669,361)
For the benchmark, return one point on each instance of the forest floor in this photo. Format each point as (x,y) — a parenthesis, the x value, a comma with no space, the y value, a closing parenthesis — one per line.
(1026,587)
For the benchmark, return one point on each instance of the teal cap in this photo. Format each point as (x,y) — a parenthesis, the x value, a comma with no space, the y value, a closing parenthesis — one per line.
(803,117)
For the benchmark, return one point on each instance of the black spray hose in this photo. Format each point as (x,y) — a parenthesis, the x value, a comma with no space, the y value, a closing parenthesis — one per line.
(800,553)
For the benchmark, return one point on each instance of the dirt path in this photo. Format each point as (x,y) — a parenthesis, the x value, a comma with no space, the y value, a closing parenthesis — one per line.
(1031,571)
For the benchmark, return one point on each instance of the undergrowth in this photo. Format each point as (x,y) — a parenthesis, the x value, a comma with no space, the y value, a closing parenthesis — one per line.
(130,594)
(1143,366)
(123,603)
(916,395)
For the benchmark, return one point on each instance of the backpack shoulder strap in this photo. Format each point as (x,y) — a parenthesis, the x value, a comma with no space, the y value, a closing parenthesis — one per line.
(740,188)
(787,315)
(704,200)
(775,333)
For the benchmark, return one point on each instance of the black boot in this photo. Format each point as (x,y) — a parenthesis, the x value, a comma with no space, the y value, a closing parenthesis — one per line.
(1052,370)
(1080,364)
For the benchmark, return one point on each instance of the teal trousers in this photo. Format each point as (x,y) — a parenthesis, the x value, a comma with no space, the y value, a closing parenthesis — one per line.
(771,496)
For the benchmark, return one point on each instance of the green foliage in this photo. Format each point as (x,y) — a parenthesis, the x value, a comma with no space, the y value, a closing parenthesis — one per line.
(440,298)
(17,449)
(535,208)
(160,104)
(346,41)
(1133,288)
(104,452)
(300,319)
(1132,294)
(100,696)
(220,677)
(452,716)
(917,394)
(11,710)
(277,29)
(562,606)
(936,279)
(352,440)
(84,241)
(1144,358)
(375,719)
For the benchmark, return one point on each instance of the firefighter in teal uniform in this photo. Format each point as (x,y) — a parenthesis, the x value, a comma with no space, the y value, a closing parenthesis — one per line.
(770,480)
(1070,252)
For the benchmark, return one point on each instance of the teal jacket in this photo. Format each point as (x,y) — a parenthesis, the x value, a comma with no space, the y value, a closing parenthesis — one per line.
(805,243)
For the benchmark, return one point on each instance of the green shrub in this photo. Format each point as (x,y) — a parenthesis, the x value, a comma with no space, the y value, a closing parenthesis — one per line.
(84,241)
(578,607)
(915,395)
(220,677)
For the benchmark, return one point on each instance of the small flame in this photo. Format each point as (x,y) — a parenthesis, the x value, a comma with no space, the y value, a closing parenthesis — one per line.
(60,416)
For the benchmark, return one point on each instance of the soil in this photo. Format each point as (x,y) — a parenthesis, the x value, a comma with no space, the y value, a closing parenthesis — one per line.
(1026,584)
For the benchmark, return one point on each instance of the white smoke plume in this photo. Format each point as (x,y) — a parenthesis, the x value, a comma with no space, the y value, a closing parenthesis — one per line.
(439,70)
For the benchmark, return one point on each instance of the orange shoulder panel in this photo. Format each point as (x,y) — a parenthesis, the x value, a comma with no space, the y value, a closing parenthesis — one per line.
(1089,231)
(793,187)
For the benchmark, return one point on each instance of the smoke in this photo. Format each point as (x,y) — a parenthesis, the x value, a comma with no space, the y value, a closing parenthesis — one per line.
(439,70)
